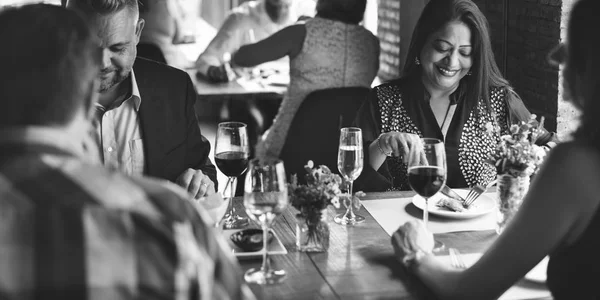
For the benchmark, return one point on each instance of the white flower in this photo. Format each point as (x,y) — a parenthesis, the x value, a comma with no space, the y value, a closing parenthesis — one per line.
(539,154)
(514,128)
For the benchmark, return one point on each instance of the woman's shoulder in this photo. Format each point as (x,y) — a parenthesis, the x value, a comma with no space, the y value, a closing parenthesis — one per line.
(575,154)
(398,86)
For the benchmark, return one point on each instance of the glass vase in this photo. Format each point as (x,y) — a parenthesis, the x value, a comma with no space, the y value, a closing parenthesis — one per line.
(312,231)
(510,194)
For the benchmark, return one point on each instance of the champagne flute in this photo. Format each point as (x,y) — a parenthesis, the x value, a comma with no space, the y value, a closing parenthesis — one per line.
(350,164)
(427,172)
(265,197)
(231,156)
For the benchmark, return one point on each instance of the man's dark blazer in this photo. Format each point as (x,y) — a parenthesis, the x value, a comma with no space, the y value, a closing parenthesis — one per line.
(170,129)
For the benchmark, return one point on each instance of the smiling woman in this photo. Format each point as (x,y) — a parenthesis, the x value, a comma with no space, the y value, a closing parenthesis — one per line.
(450,88)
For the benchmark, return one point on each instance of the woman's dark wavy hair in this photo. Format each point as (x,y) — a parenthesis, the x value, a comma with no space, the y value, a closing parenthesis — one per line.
(347,11)
(485,72)
(582,65)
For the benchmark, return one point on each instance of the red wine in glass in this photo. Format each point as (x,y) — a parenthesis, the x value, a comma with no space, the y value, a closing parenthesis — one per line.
(232,163)
(231,157)
(426,180)
(427,172)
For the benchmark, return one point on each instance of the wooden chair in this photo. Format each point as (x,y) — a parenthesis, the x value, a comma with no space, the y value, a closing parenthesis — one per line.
(315,131)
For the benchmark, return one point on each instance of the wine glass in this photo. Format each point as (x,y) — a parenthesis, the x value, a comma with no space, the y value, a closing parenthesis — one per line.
(350,164)
(231,156)
(427,172)
(265,197)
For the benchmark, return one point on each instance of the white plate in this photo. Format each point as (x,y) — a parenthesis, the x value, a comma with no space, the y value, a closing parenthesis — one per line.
(538,273)
(275,247)
(483,205)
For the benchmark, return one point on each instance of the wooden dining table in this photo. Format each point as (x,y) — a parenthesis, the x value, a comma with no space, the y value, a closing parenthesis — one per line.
(360,262)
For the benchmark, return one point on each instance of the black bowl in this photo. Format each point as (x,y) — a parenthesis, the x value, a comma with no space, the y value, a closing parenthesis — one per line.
(250,240)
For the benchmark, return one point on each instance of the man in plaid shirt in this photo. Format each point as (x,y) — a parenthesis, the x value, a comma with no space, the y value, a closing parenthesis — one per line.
(69,230)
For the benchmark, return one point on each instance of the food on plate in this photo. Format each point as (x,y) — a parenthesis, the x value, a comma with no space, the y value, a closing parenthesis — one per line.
(451,204)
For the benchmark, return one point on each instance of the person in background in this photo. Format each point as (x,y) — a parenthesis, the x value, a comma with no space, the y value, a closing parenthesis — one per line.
(328,51)
(250,22)
(169,23)
(450,89)
(72,230)
(145,120)
(560,216)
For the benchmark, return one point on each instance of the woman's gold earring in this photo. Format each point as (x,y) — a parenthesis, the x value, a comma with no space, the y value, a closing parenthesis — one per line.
(469,73)
(417,61)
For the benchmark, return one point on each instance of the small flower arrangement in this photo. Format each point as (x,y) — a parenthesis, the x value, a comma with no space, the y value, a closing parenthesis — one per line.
(322,189)
(517,154)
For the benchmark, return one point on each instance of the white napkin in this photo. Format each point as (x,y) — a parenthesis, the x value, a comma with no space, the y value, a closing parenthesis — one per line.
(522,290)
(391,213)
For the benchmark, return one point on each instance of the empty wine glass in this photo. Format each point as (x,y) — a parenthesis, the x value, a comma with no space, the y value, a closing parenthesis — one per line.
(231,156)
(265,197)
(350,165)
(427,172)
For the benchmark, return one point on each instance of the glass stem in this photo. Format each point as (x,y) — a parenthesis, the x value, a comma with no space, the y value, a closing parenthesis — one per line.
(426,212)
(350,209)
(230,208)
(266,265)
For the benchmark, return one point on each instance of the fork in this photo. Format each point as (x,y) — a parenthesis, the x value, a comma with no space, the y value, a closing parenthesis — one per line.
(456,259)
(475,192)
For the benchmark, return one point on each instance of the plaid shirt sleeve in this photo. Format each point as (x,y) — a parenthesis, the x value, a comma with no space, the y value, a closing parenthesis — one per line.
(59,239)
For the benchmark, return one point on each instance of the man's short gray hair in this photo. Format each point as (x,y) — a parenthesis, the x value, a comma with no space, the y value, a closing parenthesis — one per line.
(102,7)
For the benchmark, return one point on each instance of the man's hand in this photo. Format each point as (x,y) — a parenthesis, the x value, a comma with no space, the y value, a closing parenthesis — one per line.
(218,74)
(196,183)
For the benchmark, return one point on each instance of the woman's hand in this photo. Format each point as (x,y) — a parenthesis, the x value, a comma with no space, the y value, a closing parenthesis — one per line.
(412,239)
(399,143)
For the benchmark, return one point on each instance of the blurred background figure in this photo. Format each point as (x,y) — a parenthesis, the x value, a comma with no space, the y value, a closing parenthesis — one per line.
(168,25)
(250,22)
(331,50)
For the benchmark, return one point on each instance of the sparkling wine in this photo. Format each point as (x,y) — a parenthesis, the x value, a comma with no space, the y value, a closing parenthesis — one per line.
(232,163)
(426,180)
(350,161)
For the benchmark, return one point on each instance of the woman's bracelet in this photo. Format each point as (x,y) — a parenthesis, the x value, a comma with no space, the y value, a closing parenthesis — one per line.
(388,154)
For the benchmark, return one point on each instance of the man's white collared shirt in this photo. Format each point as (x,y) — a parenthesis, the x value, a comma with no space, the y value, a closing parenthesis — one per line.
(118,135)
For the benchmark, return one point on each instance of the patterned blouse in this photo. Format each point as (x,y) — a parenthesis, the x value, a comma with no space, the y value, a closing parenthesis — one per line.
(334,54)
(394,107)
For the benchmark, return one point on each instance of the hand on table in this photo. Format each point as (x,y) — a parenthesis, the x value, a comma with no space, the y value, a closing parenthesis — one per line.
(219,74)
(196,183)
(411,238)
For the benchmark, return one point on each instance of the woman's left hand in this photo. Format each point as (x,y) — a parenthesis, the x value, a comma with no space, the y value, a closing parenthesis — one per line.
(411,238)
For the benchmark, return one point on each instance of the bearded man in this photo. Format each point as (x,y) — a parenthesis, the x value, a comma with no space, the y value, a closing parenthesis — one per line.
(145,119)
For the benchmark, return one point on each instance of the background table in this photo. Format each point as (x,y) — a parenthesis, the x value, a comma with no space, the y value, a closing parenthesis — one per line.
(359,264)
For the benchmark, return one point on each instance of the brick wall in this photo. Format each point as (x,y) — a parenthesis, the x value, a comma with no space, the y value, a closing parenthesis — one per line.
(523,31)
(567,118)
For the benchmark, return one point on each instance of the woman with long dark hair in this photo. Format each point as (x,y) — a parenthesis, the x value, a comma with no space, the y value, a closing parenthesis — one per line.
(560,216)
(450,88)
